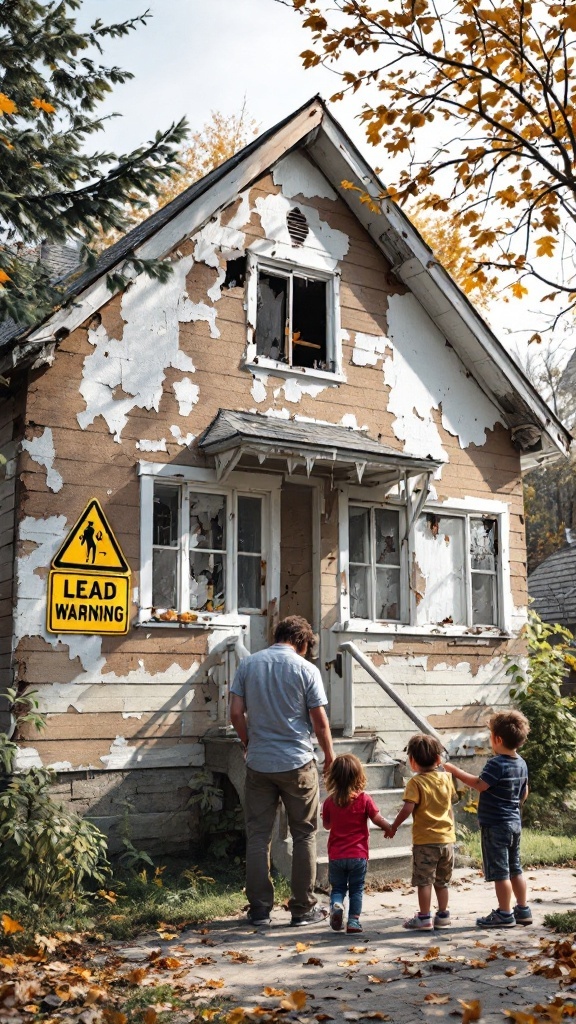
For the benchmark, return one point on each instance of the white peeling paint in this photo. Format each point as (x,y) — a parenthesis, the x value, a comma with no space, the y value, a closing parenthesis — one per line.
(368,349)
(145,445)
(132,714)
(322,249)
(152,313)
(217,242)
(424,374)
(180,438)
(30,611)
(41,450)
(294,390)
(187,395)
(27,757)
(349,420)
(258,389)
(298,176)
(280,414)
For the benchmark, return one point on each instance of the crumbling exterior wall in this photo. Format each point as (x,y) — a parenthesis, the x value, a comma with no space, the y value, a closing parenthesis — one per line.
(142,378)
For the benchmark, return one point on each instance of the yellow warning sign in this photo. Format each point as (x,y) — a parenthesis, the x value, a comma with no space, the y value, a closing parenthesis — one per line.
(91,546)
(87,602)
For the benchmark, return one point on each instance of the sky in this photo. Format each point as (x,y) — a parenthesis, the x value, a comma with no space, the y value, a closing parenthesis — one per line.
(196,56)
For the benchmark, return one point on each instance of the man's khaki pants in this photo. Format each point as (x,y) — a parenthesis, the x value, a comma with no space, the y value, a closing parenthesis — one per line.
(298,790)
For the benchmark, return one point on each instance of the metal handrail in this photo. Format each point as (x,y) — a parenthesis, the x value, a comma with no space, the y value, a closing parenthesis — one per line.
(350,648)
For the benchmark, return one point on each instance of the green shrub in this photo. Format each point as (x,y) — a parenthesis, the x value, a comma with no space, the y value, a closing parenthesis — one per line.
(47,854)
(550,750)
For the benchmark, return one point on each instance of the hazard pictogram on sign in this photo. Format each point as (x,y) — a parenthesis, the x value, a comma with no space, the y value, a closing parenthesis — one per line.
(91,545)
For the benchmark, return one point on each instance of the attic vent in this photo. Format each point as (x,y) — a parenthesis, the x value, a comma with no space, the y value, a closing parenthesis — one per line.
(297,226)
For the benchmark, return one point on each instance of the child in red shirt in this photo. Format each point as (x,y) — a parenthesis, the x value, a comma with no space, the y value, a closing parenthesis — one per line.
(345,813)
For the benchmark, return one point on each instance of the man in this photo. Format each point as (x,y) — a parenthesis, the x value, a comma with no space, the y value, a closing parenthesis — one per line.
(277,700)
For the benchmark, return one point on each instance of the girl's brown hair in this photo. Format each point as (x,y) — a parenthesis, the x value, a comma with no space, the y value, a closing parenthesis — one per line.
(345,779)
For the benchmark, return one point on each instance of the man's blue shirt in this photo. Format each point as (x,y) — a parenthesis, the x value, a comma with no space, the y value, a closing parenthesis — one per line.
(279,687)
(507,777)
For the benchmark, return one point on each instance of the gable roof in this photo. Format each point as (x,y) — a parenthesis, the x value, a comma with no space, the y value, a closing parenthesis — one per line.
(535,428)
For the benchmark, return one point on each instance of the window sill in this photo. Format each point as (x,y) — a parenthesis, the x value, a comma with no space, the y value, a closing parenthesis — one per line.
(470,634)
(279,369)
(205,620)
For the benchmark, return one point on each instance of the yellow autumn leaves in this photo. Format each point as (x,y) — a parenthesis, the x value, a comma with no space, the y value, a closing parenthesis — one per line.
(7,106)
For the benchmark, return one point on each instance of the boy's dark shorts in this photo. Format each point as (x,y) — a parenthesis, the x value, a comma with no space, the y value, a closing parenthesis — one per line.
(501,851)
(432,864)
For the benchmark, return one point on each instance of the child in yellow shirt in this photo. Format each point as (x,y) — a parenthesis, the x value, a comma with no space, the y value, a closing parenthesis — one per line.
(428,798)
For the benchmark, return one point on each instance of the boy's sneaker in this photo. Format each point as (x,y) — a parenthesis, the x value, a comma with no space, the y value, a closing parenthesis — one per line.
(442,919)
(336,915)
(313,916)
(353,925)
(419,924)
(522,915)
(497,919)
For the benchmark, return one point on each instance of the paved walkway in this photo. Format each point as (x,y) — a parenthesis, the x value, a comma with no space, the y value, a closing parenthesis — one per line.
(386,970)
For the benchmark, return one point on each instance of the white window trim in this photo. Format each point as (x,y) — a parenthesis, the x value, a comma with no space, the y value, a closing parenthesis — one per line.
(251,484)
(253,361)
(470,507)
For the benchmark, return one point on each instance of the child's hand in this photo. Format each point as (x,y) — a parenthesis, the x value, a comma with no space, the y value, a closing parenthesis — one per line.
(449,767)
(390,832)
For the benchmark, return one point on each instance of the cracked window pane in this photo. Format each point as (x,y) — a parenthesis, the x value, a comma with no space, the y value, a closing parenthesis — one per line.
(359,534)
(165,516)
(387,537)
(483,599)
(387,594)
(165,577)
(208,521)
(207,581)
(440,557)
(483,544)
(271,316)
(359,583)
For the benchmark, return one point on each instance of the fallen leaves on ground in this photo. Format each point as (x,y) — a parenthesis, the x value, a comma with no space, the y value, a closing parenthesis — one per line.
(437,998)
(470,1011)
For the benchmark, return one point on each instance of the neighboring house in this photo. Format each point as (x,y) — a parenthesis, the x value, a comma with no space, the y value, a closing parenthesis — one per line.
(308,417)
(552,585)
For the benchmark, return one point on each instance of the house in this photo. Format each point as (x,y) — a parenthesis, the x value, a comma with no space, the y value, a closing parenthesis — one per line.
(307,417)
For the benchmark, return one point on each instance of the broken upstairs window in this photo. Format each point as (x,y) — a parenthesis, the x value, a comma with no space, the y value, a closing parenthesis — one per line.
(292,319)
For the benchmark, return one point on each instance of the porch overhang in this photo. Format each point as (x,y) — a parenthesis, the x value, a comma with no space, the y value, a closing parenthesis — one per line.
(320,448)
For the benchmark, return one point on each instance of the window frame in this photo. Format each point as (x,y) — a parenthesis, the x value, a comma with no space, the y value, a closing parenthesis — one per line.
(372,564)
(466,509)
(189,479)
(288,269)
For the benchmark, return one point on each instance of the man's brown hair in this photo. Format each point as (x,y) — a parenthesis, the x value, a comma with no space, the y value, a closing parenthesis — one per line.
(295,630)
(425,750)
(512,727)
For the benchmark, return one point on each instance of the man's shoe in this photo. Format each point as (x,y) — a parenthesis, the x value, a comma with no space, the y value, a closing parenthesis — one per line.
(522,915)
(353,925)
(336,915)
(419,924)
(258,920)
(313,916)
(442,919)
(497,919)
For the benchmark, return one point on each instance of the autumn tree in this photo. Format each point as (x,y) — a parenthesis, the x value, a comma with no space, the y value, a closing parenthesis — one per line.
(218,139)
(478,99)
(451,246)
(52,189)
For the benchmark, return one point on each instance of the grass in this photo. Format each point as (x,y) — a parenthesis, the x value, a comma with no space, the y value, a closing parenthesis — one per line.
(539,848)
(562,922)
(149,901)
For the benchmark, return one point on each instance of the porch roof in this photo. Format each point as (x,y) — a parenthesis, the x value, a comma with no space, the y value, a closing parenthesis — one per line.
(232,435)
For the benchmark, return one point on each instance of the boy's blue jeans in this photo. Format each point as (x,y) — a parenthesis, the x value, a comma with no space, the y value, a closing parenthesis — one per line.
(348,875)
